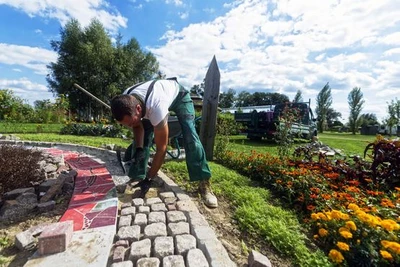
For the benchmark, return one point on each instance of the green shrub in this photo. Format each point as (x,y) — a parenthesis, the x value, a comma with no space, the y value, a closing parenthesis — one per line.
(92,130)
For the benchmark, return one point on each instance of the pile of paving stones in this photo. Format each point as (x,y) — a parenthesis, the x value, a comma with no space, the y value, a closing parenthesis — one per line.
(58,179)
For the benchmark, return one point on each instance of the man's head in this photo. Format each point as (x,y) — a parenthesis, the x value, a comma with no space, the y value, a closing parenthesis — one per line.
(127,110)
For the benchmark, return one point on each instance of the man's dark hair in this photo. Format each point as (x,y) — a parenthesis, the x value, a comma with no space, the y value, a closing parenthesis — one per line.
(122,105)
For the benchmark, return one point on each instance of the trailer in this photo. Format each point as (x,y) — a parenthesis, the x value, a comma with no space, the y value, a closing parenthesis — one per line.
(264,124)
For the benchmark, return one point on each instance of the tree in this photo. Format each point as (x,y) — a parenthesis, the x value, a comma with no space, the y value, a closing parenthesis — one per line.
(394,114)
(87,57)
(356,102)
(13,108)
(332,116)
(227,100)
(245,99)
(298,97)
(368,119)
(324,102)
(198,89)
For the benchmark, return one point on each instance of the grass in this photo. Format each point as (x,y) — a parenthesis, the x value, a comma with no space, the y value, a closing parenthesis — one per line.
(94,141)
(347,142)
(8,127)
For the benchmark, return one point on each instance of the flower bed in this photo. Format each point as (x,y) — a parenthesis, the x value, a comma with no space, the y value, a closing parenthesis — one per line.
(351,207)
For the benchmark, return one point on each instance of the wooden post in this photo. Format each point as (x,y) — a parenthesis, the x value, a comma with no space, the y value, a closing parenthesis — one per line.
(210,108)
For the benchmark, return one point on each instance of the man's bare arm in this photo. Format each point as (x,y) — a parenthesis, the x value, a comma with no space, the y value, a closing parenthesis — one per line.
(138,132)
(161,140)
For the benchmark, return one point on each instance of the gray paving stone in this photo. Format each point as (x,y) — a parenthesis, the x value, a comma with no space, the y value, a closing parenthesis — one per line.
(203,233)
(159,207)
(148,262)
(141,220)
(144,209)
(163,246)
(165,195)
(140,249)
(182,196)
(179,228)
(186,205)
(119,254)
(128,211)
(196,219)
(183,243)
(195,258)
(173,261)
(157,217)
(152,200)
(126,205)
(122,264)
(176,216)
(124,221)
(155,229)
(123,243)
(171,207)
(130,233)
(215,253)
(170,200)
(256,259)
(137,202)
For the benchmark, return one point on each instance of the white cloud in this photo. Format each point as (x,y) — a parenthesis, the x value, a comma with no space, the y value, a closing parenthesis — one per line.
(17,70)
(209,10)
(82,10)
(289,45)
(183,15)
(391,52)
(26,89)
(175,2)
(34,58)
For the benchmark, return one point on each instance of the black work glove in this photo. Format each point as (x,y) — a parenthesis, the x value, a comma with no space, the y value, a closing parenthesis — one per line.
(139,155)
(144,185)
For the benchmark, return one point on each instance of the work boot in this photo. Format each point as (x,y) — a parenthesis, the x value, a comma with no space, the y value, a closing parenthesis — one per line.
(144,185)
(207,194)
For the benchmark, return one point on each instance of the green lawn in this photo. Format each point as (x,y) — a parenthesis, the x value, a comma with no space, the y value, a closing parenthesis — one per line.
(8,127)
(347,142)
(94,141)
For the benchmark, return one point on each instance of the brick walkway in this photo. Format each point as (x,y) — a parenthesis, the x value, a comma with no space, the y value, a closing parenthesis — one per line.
(164,229)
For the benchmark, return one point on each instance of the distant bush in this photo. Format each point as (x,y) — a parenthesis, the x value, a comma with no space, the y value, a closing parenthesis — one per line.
(92,130)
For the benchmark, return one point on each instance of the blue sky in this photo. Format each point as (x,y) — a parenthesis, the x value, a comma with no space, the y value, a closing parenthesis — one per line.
(260,45)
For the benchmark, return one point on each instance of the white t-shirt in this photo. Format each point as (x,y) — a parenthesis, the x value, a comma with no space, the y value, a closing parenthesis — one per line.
(159,101)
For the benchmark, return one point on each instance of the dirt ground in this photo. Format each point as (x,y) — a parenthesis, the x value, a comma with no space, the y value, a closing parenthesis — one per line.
(9,254)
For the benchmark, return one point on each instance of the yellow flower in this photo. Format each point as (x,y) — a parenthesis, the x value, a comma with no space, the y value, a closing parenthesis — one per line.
(353,207)
(322,216)
(346,234)
(393,246)
(343,246)
(315,236)
(344,216)
(336,256)
(314,216)
(385,243)
(322,232)
(336,214)
(389,225)
(351,225)
(386,255)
